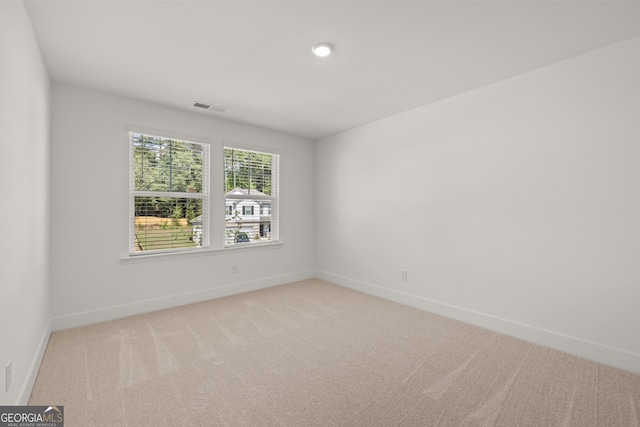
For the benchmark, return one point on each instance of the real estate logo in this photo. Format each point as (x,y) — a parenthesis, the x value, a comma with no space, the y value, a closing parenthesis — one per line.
(31,416)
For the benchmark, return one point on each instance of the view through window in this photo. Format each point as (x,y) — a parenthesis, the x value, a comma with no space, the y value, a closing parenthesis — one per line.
(169,181)
(251,196)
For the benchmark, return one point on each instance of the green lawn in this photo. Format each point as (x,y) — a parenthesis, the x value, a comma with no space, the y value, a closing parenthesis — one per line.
(153,238)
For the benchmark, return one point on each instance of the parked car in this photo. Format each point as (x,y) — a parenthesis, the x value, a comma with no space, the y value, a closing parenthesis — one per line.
(242,238)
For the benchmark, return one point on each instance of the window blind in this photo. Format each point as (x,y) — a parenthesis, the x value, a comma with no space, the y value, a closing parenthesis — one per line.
(251,196)
(169,193)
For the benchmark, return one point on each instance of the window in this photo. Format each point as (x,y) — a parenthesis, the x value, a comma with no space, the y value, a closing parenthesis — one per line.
(251,181)
(168,194)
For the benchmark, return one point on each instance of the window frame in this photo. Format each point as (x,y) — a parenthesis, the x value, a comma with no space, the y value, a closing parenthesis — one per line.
(204,195)
(214,240)
(274,198)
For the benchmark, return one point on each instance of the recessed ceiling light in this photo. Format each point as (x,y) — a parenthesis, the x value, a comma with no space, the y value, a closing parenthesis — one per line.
(322,49)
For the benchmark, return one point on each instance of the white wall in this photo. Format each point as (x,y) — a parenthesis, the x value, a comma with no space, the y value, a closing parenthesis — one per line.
(24,212)
(525,204)
(90,281)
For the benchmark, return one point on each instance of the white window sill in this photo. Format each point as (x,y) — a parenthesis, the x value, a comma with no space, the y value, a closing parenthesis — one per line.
(198,252)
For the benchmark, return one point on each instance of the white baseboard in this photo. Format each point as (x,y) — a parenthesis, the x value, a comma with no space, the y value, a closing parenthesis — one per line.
(578,347)
(147,306)
(30,380)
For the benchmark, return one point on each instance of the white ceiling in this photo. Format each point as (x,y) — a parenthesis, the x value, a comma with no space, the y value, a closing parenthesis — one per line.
(255,56)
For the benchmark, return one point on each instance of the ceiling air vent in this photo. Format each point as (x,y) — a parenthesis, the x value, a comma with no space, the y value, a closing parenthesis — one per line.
(201,105)
(216,108)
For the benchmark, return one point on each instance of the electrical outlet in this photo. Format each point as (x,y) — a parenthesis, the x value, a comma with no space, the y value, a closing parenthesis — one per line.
(8,375)
(234,268)
(403,275)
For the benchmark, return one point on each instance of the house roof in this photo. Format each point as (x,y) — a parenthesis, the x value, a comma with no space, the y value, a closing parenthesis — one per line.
(243,192)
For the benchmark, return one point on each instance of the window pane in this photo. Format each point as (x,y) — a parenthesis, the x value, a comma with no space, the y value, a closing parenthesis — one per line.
(248,221)
(250,183)
(180,169)
(249,171)
(167,223)
(161,164)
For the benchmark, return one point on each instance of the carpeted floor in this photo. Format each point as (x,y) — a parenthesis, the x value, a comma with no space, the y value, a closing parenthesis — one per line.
(315,354)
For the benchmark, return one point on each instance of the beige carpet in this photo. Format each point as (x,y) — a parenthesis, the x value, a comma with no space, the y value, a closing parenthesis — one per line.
(315,354)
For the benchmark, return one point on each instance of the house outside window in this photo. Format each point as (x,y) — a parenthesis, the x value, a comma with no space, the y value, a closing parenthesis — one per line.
(168,194)
(251,185)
